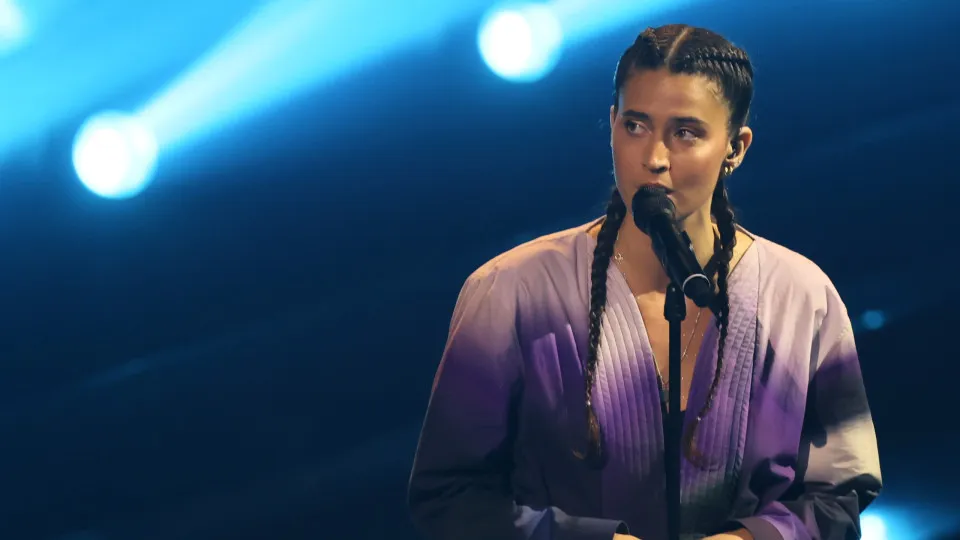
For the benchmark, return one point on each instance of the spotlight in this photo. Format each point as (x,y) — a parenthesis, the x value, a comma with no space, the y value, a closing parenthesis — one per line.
(521,44)
(115,155)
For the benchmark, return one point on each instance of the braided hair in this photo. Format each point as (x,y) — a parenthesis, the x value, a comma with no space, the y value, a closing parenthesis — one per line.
(689,50)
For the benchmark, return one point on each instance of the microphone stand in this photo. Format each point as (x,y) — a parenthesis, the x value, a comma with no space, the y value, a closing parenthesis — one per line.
(655,214)
(675,311)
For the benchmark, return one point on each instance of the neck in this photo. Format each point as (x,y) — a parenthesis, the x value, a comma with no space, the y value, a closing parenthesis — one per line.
(641,261)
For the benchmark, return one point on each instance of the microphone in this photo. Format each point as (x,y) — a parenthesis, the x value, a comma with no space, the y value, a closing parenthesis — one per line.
(656,215)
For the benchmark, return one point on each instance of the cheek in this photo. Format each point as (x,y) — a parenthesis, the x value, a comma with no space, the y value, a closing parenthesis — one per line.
(696,169)
(626,159)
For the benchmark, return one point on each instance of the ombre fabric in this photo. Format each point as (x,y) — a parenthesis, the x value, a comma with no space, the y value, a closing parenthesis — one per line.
(790,440)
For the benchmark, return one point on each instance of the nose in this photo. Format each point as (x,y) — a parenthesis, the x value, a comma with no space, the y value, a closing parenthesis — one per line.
(658,157)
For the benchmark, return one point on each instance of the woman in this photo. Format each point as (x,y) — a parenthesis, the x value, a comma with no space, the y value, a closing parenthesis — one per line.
(545,419)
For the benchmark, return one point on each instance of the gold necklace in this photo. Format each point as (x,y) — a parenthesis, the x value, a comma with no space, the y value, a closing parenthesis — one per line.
(664,383)
(693,334)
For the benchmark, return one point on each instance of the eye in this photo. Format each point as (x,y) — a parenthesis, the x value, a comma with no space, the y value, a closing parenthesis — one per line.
(687,134)
(632,126)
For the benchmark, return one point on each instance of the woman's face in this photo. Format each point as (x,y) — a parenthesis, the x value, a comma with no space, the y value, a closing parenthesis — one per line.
(671,129)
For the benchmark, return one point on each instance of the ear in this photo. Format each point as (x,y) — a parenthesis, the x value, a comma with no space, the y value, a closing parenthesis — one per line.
(737,148)
(613,122)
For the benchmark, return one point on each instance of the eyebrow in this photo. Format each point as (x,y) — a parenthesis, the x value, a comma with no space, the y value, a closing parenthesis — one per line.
(637,115)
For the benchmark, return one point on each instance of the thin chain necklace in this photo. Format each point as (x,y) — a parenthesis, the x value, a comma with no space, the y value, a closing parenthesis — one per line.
(664,383)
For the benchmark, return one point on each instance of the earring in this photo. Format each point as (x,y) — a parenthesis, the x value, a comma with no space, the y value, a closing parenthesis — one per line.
(727,170)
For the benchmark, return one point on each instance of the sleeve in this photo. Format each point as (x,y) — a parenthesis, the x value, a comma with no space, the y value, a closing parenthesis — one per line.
(838,466)
(460,483)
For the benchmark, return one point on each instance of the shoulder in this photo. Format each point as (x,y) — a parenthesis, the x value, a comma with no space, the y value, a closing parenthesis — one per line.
(779,259)
(788,278)
(782,262)
(551,254)
(534,276)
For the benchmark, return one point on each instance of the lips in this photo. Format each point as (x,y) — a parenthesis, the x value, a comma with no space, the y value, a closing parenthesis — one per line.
(657,186)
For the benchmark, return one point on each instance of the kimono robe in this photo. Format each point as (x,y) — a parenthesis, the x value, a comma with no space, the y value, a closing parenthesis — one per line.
(792,448)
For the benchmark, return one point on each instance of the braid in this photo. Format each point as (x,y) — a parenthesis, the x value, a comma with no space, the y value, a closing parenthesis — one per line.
(722,59)
(647,42)
(723,213)
(616,212)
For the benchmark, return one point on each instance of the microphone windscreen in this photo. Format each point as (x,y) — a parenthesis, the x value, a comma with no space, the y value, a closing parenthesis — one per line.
(649,202)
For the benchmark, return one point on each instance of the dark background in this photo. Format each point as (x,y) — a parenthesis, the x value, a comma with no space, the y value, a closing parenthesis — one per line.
(245,350)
